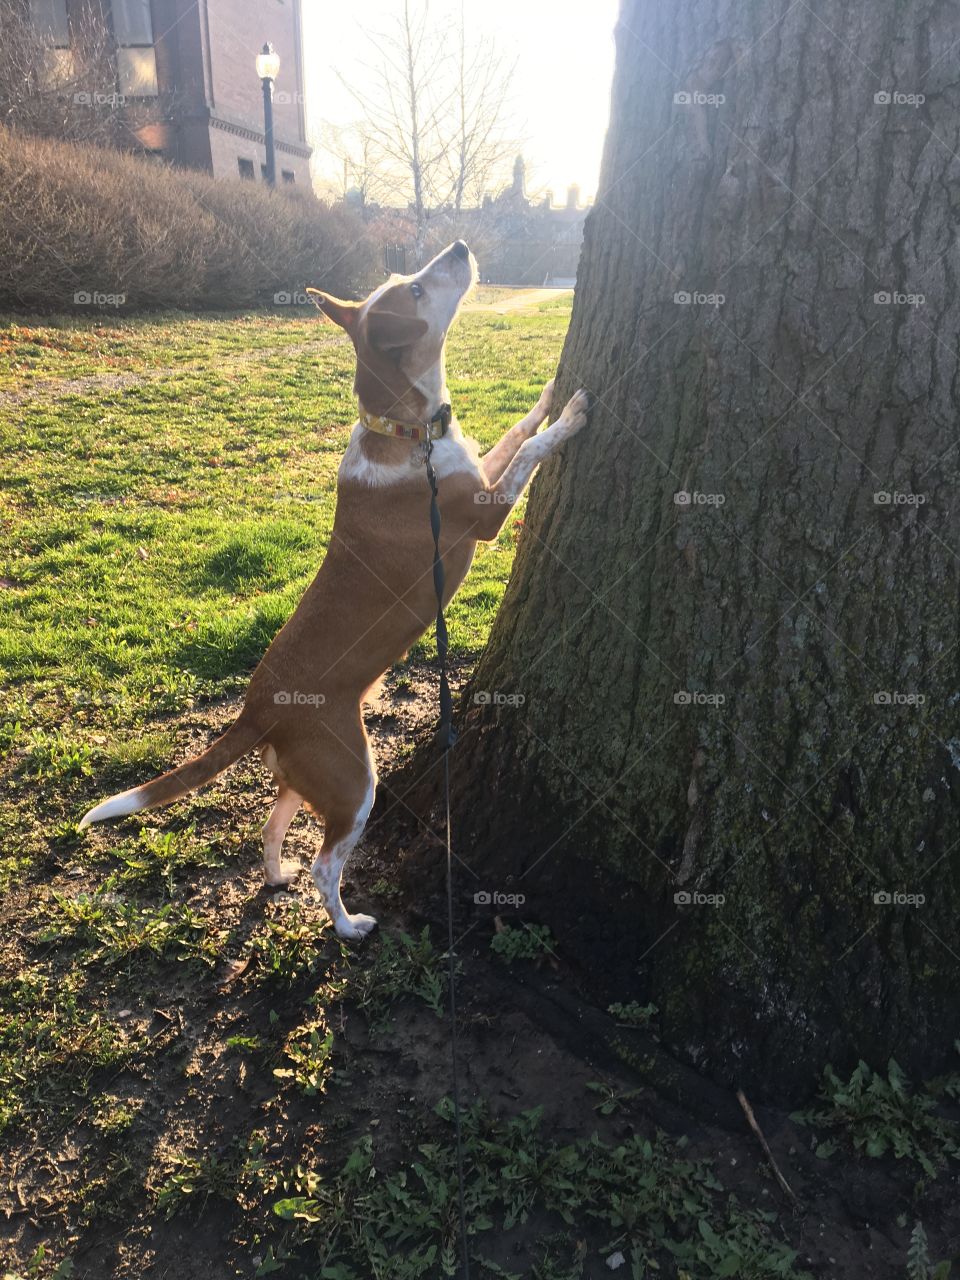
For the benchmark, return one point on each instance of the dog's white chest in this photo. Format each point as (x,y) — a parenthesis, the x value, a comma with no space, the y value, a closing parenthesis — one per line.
(451,454)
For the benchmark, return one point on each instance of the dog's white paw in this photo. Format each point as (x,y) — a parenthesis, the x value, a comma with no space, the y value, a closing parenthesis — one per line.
(576,411)
(280,874)
(546,398)
(353,928)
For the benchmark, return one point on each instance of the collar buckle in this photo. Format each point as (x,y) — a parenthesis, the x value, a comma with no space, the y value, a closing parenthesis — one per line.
(440,422)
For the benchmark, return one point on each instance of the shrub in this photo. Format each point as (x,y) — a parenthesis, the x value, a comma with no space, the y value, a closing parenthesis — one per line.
(78,219)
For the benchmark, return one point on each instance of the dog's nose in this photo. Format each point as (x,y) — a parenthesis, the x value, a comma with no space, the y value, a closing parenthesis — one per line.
(459,250)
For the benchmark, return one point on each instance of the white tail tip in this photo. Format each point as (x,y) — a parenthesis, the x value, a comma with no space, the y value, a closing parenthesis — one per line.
(116,807)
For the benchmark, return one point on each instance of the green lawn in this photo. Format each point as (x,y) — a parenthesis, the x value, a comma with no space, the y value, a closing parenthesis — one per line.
(196,1078)
(158,527)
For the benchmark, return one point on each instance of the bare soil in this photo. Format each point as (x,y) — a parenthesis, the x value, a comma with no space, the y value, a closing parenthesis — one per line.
(528,1037)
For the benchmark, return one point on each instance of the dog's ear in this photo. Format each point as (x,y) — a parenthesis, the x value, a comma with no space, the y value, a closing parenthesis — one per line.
(339,310)
(388,330)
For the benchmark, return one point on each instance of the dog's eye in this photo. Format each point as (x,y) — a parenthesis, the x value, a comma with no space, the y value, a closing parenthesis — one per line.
(417,290)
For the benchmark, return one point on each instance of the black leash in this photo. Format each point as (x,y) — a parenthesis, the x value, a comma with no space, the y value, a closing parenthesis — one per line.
(447,737)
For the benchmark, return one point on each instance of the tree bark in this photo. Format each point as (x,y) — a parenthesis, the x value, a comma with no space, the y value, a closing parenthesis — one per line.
(753,693)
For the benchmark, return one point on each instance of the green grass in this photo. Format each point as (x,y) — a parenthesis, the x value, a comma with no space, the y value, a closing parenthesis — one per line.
(157,536)
(168,494)
(53,1039)
(154,536)
(182,1044)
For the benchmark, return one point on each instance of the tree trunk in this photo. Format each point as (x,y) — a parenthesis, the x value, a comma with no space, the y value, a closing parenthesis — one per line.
(737,657)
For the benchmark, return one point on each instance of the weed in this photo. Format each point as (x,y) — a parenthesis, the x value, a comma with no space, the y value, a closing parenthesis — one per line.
(132,758)
(611,1100)
(226,1176)
(245,1044)
(918,1259)
(116,931)
(402,966)
(56,755)
(633,1014)
(62,1271)
(880,1115)
(384,888)
(656,1206)
(111,1115)
(52,1041)
(310,1050)
(292,946)
(531,942)
(155,858)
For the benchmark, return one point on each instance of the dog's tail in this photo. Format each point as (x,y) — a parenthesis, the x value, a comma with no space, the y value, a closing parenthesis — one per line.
(236,742)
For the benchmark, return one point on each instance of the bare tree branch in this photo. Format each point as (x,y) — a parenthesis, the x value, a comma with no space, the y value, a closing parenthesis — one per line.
(431,125)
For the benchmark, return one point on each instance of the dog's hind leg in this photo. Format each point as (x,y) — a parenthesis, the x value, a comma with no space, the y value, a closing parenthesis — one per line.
(338,783)
(275,829)
(342,831)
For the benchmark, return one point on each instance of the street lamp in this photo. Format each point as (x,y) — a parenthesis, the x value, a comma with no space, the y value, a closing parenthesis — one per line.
(268,67)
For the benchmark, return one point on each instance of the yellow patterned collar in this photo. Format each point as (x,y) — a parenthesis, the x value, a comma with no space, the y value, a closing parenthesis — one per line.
(435,429)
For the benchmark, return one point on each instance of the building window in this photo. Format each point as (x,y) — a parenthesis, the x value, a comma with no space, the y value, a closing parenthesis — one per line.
(136,57)
(52,26)
(137,73)
(246,169)
(131,22)
(288,176)
(49,17)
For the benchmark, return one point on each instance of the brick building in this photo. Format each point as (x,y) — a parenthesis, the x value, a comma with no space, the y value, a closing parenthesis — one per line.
(186,68)
(529,242)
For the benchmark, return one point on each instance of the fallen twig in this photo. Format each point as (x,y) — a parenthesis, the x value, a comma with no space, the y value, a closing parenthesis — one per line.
(752,1122)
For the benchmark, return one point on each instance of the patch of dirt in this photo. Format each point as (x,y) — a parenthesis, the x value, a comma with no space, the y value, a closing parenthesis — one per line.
(528,1038)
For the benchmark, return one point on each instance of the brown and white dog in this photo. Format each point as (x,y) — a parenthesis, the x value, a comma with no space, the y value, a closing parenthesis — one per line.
(373,596)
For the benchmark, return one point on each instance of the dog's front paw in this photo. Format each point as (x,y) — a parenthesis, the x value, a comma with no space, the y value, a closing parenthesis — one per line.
(545,403)
(353,928)
(575,412)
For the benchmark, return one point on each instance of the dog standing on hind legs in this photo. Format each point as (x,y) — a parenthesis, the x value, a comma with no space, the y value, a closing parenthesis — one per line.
(373,596)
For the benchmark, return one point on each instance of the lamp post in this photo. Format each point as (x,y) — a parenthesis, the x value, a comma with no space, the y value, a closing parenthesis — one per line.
(268,67)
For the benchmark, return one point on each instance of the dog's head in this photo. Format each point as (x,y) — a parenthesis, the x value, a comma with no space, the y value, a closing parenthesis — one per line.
(399,332)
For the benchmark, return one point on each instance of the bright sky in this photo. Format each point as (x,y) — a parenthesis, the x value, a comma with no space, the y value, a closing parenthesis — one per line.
(560,98)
